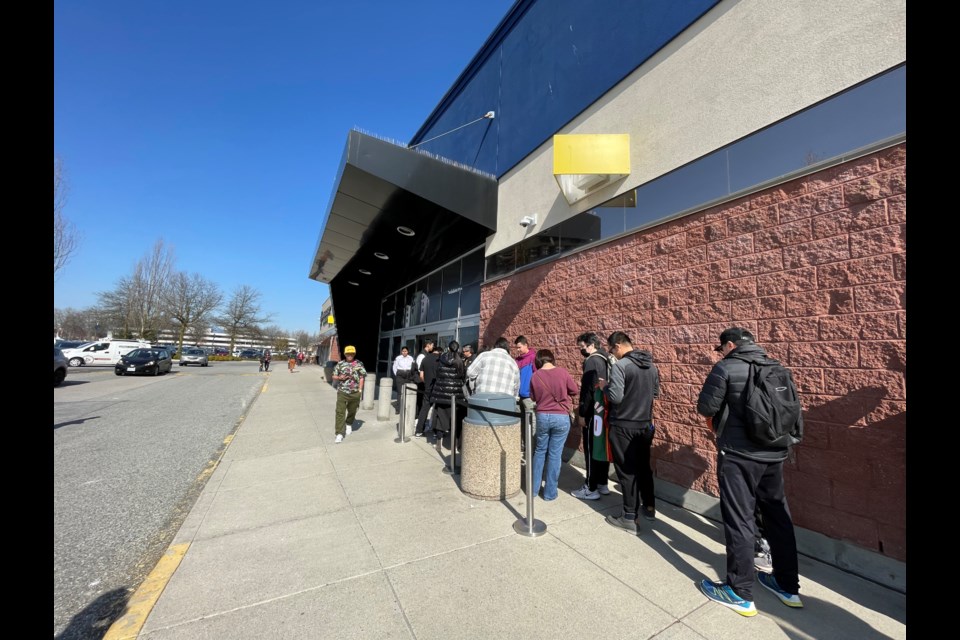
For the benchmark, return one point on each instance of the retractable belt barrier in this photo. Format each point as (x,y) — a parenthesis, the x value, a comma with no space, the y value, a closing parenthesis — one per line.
(529,526)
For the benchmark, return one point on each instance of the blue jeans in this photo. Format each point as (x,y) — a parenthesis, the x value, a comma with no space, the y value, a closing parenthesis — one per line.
(552,430)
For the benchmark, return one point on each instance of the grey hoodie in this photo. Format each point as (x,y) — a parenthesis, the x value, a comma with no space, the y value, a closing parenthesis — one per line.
(634,383)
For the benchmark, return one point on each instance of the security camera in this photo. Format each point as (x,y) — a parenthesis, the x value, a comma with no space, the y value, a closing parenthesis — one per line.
(526,221)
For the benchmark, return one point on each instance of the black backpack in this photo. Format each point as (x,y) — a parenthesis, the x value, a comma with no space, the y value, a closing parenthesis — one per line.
(771,410)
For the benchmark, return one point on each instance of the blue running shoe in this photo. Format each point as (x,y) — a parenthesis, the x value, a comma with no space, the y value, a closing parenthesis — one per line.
(770,583)
(723,594)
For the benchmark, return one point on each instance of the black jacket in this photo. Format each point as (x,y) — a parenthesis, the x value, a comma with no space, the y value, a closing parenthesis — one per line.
(721,399)
(449,379)
(595,366)
(634,383)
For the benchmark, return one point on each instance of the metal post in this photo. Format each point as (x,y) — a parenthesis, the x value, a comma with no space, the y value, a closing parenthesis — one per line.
(452,470)
(531,528)
(401,427)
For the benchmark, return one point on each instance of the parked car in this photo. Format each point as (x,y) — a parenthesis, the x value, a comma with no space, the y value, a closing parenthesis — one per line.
(59,367)
(103,352)
(194,356)
(144,361)
(250,354)
(221,351)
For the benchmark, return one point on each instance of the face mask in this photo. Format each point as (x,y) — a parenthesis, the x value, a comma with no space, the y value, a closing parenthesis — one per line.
(584,353)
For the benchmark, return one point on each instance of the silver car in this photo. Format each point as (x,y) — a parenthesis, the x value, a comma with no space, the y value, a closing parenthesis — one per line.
(194,356)
(59,367)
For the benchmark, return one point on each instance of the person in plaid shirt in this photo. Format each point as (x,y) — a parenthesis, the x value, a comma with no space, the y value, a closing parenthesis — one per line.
(495,371)
(351,374)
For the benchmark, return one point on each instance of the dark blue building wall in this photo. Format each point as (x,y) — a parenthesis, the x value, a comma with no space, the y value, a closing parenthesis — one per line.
(548,61)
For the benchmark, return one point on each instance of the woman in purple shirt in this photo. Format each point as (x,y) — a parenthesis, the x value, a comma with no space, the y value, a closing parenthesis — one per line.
(551,388)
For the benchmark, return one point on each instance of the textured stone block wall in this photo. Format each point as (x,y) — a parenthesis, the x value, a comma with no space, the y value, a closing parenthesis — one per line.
(816,269)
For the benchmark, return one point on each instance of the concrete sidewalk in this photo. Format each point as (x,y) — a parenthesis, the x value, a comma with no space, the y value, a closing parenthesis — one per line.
(297,537)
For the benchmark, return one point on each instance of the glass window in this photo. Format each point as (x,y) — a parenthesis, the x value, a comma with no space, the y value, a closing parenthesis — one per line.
(473,267)
(502,262)
(539,247)
(410,312)
(398,309)
(450,300)
(472,277)
(470,299)
(396,350)
(386,314)
(470,335)
(433,298)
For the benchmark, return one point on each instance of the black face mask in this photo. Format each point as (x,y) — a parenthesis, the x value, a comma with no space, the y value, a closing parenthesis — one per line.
(584,353)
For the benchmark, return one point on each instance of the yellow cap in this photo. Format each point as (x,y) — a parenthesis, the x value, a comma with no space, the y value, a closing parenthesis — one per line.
(349,349)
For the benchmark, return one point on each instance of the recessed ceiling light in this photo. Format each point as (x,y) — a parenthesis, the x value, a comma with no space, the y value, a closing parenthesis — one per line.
(382,256)
(364,272)
(406,231)
(356,284)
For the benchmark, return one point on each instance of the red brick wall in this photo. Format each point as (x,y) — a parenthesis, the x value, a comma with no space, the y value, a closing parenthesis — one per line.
(816,269)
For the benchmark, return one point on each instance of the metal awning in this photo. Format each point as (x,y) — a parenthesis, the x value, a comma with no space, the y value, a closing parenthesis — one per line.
(382,186)
(395,215)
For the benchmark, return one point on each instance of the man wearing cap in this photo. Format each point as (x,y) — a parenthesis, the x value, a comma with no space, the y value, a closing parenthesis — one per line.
(350,374)
(750,476)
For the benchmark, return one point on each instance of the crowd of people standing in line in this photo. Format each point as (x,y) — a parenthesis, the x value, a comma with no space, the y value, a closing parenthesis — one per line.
(614,407)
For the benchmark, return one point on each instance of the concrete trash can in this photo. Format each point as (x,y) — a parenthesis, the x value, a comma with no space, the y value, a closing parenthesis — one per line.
(490,449)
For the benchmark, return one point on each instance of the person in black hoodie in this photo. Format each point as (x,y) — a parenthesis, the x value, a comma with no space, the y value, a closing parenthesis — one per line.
(750,476)
(449,380)
(634,383)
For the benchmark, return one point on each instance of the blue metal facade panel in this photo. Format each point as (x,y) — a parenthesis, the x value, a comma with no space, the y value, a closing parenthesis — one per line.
(557,59)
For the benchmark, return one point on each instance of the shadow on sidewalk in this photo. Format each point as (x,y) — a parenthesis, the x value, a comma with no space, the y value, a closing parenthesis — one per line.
(94,620)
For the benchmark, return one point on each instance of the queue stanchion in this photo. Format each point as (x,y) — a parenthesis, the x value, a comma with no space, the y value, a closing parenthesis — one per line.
(452,469)
(401,426)
(530,527)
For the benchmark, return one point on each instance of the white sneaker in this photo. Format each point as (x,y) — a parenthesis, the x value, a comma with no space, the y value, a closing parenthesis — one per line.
(584,493)
(339,438)
(349,429)
(603,489)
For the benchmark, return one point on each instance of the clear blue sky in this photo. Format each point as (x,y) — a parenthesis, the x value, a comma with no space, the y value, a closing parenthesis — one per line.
(219,126)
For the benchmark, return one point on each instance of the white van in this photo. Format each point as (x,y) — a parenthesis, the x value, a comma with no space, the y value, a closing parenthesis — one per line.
(104,352)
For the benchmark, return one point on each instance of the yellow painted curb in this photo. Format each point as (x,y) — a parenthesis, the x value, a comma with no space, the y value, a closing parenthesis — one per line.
(142,602)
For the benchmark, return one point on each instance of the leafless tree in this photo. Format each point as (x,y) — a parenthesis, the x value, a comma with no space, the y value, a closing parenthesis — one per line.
(303,340)
(275,337)
(135,305)
(241,315)
(151,277)
(66,238)
(191,302)
(80,324)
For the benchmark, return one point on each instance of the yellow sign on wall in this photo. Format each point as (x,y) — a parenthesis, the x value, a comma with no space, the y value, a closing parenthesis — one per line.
(330,319)
(584,163)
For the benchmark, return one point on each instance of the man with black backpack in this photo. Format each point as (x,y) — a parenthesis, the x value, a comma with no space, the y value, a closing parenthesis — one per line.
(751,402)
(596,372)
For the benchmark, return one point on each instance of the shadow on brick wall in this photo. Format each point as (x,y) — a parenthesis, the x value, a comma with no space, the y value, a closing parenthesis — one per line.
(521,288)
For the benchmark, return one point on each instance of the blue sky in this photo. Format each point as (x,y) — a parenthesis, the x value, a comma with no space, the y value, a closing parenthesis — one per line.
(219,126)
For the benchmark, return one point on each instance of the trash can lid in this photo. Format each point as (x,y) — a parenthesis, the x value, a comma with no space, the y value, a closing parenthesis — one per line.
(503,401)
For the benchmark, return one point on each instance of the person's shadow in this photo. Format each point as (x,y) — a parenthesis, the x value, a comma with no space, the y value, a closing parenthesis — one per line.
(94,620)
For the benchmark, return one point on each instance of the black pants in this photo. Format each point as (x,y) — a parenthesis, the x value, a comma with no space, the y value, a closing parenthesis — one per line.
(598,471)
(422,416)
(631,459)
(746,485)
(403,377)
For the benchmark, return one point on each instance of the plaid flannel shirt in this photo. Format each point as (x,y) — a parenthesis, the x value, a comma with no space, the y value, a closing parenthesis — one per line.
(495,371)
